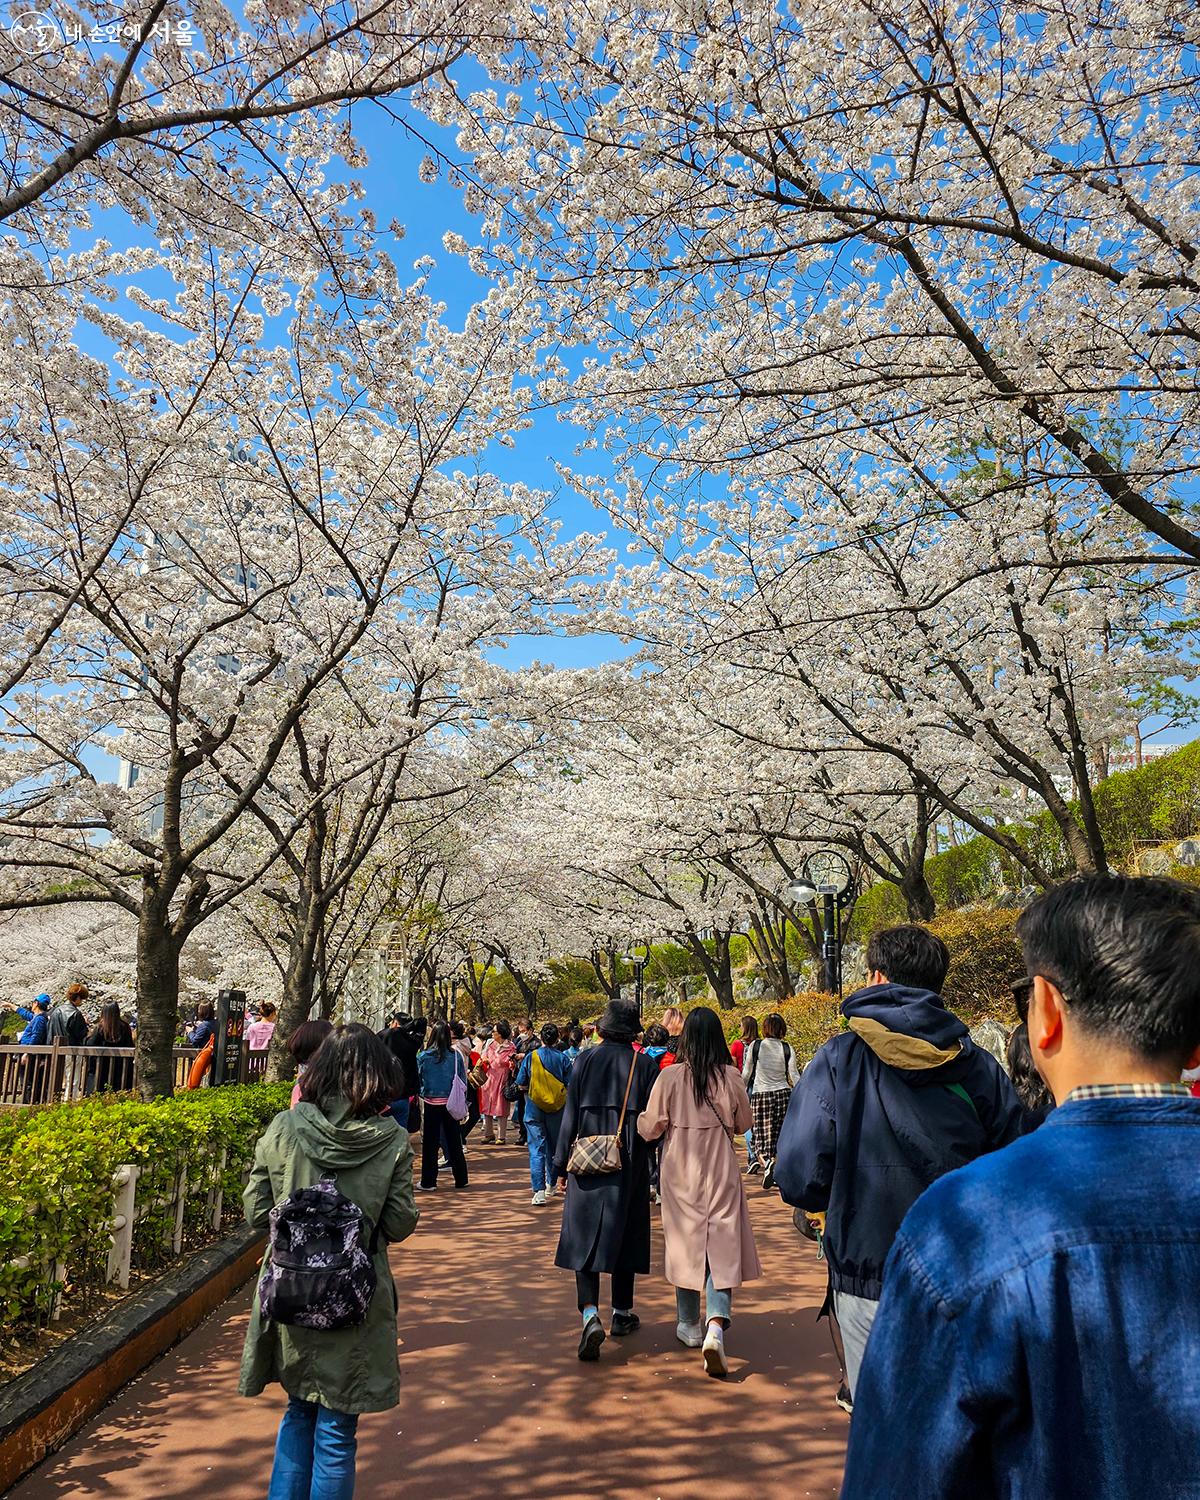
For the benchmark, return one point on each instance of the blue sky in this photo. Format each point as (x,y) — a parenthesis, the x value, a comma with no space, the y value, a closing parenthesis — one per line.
(427,211)
(394,191)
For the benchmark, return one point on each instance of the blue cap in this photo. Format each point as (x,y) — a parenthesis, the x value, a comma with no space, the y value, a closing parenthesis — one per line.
(41,999)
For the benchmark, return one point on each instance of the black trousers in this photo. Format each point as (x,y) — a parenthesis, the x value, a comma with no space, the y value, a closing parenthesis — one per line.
(440,1130)
(587,1289)
(472,1119)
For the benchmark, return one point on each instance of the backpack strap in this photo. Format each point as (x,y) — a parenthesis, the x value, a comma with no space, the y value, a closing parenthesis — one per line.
(957,1088)
(754,1064)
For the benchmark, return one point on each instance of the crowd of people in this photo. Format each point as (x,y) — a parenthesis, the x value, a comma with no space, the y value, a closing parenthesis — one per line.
(1004,1253)
(1018,1217)
(68,1024)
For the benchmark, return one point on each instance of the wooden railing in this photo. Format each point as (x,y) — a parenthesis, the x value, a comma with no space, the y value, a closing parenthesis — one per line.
(61,1075)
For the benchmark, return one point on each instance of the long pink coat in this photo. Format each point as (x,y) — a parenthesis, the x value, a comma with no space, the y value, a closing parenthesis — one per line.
(497,1057)
(704,1213)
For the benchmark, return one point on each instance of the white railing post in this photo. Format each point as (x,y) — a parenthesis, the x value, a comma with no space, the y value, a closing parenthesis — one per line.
(181,1185)
(120,1256)
(59,1277)
(216,1193)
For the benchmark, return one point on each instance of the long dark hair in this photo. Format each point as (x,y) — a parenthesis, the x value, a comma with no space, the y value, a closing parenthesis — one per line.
(703,1049)
(112,1028)
(353,1062)
(440,1039)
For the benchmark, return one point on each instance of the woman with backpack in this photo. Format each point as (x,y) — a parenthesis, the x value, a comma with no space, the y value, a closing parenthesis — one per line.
(542,1077)
(337,1169)
(440,1066)
(606,1218)
(696,1109)
(770,1073)
(737,1050)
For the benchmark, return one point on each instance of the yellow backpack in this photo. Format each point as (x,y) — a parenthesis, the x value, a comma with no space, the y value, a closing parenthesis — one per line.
(546,1091)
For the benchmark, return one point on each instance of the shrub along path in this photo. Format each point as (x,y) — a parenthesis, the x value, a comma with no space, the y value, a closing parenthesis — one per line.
(494,1401)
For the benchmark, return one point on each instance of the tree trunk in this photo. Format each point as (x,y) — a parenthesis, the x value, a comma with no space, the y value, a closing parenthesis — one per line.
(770,948)
(717,966)
(157,1002)
(609,982)
(473,984)
(918,898)
(297,1004)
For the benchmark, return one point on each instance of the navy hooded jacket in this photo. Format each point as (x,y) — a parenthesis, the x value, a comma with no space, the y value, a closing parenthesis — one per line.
(881,1112)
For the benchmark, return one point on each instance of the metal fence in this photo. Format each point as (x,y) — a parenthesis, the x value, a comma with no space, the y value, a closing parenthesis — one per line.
(62,1075)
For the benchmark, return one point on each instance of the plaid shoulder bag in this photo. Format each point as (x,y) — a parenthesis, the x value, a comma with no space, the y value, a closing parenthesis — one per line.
(592,1154)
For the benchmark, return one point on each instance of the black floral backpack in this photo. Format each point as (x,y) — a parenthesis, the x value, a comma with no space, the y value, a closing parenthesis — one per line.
(320,1269)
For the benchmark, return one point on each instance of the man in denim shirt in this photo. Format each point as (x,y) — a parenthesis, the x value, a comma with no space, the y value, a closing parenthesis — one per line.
(1039,1331)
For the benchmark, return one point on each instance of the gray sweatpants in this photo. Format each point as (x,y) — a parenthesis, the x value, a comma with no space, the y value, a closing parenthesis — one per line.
(855,1316)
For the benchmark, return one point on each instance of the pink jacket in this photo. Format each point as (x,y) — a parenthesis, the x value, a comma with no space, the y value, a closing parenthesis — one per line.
(704,1212)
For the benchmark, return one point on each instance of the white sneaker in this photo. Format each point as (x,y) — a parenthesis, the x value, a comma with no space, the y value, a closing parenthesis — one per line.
(690,1335)
(714,1352)
(539,1200)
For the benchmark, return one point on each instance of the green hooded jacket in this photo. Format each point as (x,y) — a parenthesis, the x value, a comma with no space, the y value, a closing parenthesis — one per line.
(347,1369)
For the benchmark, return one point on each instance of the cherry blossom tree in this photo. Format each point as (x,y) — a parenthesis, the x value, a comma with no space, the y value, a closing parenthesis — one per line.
(206,112)
(332,488)
(865,230)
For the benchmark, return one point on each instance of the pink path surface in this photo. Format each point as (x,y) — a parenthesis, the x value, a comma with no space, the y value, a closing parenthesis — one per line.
(494,1402)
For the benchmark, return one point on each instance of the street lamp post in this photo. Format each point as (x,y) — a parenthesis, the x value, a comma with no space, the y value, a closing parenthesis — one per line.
(826,874)
(639,962)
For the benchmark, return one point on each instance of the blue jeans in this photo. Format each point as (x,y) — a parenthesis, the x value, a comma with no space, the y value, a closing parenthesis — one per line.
(314,1453)
(717,1304)
(542,1141)
(751,1153)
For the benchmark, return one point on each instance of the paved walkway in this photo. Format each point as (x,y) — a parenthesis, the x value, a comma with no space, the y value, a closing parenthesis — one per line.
(494,1403)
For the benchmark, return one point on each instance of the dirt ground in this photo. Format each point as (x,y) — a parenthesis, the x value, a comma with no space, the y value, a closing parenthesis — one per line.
(494,1402)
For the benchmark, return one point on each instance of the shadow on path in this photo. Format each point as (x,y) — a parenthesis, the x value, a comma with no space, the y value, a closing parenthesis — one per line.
(493,1401)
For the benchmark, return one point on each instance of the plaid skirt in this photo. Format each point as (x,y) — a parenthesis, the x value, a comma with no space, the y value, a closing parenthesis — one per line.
(768,1111)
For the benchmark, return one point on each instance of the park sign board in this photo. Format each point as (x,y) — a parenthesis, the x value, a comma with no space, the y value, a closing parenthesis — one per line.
(231,1024)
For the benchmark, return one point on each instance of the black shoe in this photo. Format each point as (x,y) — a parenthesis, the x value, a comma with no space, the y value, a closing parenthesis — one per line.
(843,1397)
(591,1338)
(769,1178)
(623,1323)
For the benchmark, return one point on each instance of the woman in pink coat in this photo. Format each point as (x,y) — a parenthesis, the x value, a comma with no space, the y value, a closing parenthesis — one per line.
(698,1107)
(497,1059)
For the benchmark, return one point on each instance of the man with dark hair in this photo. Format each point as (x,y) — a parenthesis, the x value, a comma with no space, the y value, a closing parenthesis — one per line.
(881,1112)
(1039,1332)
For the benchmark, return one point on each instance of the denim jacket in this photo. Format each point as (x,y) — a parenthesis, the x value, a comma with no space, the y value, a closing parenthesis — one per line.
(1039,1331)
(437,1076)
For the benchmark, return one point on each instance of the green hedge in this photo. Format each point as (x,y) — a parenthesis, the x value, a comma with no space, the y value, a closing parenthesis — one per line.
(57,1165)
